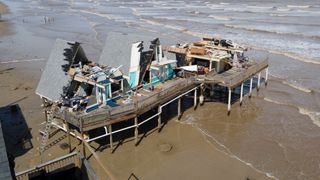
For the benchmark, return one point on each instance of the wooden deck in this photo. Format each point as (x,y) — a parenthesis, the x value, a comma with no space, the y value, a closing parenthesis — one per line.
(235,76)
(143,101)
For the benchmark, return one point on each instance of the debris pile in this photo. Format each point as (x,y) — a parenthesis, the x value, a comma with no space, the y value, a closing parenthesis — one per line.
(210,54)
(92,85)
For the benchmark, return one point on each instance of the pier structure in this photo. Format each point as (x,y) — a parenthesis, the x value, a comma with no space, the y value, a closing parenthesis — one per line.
(220,62)
(85,96)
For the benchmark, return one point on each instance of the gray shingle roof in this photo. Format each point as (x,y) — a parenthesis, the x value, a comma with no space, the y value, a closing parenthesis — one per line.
(54,78)
(117,49)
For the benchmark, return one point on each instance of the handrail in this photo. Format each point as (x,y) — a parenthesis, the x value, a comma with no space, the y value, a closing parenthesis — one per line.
(44,166)
(144,121)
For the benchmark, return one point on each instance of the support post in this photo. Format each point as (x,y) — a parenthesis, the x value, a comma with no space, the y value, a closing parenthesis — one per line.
(136,132)
(122,86)
(179,108)
(45,109)
(201,97)
(195,99)
(159,117)
(69,135)
(259,78)
(110,91)
(229,100)
(250,90)
(110,137)
(266,79)
(241,94)
(82,139)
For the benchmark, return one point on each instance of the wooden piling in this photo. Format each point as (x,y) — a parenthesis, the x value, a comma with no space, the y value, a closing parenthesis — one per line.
(259,78)
(110,136)
(241,94)
(179,108)
(250,90)
(195,99)
(229,101)
(159,117)
(266,78)
(136,132)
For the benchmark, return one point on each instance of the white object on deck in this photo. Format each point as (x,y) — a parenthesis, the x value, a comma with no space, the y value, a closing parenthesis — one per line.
(134,70)
(190,68)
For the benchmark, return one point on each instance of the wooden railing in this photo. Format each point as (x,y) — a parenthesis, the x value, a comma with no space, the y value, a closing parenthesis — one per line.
(72,159)
(138,107)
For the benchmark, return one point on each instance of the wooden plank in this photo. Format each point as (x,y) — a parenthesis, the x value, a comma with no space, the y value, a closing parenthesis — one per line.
(80,78)
(197,51)
(175,50)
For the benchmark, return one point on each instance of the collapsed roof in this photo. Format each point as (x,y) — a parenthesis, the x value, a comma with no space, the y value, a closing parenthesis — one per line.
(54,77)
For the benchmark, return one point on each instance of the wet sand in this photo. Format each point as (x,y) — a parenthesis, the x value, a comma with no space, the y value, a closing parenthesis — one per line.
(272,134)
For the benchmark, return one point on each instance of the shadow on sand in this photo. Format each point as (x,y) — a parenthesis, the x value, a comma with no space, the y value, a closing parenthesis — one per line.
(15,129)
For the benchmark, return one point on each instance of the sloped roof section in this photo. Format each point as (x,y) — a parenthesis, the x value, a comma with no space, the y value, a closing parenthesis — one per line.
(117,49)
(54,77)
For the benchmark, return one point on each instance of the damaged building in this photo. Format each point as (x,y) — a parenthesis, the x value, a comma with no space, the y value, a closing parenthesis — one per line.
(133,76)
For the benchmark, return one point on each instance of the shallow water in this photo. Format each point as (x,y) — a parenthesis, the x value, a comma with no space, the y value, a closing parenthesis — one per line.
(281,137)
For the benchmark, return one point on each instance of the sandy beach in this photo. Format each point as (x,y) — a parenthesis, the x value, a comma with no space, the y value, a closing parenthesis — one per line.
(274,135)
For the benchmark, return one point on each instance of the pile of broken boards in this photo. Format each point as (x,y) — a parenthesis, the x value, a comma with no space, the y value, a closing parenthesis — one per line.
(74,83)
(211,55)
(90,85)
